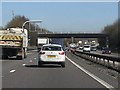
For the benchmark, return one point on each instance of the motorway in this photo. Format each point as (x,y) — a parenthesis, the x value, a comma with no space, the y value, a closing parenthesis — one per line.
(78,73)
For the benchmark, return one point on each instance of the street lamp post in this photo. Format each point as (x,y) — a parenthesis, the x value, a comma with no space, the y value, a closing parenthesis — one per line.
(33,21)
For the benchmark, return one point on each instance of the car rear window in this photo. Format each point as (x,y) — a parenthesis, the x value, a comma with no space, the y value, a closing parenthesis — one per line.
(51,48)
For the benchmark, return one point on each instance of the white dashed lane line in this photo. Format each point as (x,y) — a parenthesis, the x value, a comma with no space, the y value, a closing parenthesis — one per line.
(23,64)
(12,71)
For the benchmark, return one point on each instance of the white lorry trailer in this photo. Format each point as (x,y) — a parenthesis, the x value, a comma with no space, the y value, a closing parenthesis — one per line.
(14,42)
(42,41)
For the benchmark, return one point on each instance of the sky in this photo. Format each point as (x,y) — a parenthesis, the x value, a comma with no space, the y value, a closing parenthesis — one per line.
(64,16)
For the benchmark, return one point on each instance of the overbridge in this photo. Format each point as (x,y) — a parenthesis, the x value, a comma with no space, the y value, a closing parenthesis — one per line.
(75,35)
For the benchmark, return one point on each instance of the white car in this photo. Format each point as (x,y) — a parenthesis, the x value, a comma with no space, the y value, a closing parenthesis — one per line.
(81,47)
(86,48)
(50,54)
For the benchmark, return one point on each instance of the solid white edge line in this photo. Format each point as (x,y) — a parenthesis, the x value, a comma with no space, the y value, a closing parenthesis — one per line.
(92,75)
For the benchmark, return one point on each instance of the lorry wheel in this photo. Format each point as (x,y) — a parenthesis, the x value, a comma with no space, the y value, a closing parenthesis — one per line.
(25,53)
(40,63)
(19,57)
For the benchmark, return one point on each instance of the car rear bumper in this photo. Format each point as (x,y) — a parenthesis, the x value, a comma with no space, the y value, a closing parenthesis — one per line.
(52,60)
(46,62)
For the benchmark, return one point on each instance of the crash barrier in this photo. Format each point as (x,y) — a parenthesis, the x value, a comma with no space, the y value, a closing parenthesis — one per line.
(108,61)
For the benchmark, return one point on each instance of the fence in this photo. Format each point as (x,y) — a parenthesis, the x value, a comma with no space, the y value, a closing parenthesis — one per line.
(108,61)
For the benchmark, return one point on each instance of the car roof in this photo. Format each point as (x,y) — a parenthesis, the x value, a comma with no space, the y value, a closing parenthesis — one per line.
(52,45)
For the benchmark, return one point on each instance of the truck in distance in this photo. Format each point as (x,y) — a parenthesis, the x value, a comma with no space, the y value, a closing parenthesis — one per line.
(41,42)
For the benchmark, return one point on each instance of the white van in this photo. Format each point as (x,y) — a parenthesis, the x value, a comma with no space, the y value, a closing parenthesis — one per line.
(86,48)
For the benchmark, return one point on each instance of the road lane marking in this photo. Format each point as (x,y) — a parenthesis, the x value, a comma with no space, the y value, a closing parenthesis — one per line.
(12,71)
(23,64)
(92,75)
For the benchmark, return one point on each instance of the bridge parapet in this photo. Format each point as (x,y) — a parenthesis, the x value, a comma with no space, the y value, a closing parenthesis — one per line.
(75,35)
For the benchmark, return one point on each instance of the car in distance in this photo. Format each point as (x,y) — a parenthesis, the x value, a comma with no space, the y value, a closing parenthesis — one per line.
(51,54)
(106,50)
(93,48)
(86,48)
(81,48)
(72,47)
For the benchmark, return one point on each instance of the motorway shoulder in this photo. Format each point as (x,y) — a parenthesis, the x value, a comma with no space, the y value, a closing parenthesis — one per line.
(100,71)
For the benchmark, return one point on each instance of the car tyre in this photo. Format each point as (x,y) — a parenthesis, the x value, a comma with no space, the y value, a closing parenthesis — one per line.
(63,64)
(40,63)
(19,57)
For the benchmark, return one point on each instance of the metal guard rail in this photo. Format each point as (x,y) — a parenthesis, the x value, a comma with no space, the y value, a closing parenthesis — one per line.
(101,59)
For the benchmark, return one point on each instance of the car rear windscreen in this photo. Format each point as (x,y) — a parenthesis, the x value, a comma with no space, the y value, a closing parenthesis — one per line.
(51,48)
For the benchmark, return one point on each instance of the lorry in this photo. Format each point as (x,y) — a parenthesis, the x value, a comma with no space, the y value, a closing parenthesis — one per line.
(14,42)
(41,42)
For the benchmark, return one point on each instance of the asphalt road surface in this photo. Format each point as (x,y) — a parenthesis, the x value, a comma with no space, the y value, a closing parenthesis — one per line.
(78,73)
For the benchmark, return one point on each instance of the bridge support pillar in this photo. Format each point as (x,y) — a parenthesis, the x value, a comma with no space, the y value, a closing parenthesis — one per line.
(72,38)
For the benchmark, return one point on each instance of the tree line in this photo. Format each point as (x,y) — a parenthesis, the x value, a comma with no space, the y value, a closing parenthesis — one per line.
(113,32)
(17,21)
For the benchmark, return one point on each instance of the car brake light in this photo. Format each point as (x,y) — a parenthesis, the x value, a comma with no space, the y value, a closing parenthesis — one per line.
(61,53)
(41,52)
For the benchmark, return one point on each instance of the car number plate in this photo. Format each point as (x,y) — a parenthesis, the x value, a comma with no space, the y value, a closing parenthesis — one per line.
(51,56)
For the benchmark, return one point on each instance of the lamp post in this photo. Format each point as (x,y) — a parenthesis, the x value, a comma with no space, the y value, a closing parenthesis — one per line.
(33,21)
